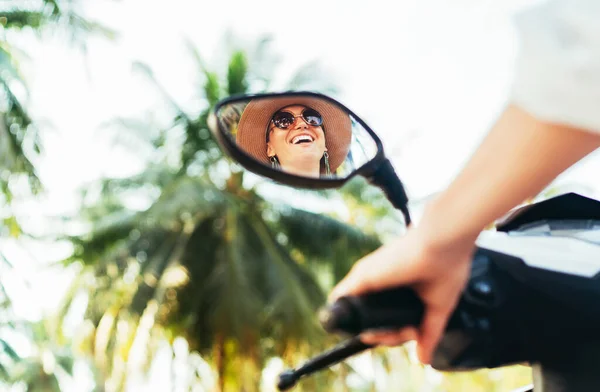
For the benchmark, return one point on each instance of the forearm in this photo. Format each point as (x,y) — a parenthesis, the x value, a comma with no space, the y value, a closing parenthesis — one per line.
(518,158)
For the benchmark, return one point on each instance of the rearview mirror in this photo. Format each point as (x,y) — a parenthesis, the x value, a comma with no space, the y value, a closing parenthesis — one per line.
(304,139)
(300,135)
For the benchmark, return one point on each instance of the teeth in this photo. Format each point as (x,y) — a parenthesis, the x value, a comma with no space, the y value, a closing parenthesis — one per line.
(301,138)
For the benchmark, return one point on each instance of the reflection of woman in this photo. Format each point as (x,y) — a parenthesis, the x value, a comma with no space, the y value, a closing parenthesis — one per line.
(305,136)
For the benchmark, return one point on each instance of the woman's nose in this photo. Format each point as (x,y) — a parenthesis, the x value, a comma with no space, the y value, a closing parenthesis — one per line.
(300,123)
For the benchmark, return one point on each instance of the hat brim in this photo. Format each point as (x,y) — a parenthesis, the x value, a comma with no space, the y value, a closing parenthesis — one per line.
(254,122)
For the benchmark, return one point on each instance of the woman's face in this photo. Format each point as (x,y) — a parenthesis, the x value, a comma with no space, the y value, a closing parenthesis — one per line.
(300,143)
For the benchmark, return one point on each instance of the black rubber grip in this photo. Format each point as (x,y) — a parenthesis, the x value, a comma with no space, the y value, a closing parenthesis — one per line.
(389,309)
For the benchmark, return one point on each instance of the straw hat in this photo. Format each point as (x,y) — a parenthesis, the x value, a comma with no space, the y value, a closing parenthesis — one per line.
(253,125)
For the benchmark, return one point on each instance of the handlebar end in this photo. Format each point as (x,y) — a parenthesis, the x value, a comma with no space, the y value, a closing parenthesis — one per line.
(287,380)
(337,317)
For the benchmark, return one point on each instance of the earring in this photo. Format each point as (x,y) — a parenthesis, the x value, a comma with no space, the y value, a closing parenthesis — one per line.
(326,158)
(274,162)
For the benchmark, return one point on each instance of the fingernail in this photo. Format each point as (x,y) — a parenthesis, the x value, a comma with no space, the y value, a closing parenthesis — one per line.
(369,338)
(367,335)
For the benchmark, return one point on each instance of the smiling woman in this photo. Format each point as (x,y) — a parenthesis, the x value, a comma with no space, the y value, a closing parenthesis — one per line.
(302,135)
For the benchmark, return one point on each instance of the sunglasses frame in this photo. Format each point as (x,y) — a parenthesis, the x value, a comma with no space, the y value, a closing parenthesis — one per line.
(295,117)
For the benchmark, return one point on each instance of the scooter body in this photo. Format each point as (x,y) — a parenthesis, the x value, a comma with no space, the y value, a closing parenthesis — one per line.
(534,288)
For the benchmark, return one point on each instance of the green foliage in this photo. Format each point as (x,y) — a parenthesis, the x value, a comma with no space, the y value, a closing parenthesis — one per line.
(18,139)
(20,143)
(236,74)
(9,359)
(37,371)
(210,260)
(37,15)
(231,286)
(8,356)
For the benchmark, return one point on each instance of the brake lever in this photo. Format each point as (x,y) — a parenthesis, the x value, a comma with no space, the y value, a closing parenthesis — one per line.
(383,310)
(346,349)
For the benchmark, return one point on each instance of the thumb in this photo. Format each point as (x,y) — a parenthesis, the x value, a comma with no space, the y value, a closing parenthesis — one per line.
(382,269)
(354,283)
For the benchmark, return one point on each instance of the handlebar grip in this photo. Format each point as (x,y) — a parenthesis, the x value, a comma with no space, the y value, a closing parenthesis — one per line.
(388,309)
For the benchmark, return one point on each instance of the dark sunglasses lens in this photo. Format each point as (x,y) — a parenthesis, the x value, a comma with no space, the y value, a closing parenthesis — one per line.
(283,119)
(312,117)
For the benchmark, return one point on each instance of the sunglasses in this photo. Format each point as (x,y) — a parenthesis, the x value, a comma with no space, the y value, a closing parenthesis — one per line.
(284,120)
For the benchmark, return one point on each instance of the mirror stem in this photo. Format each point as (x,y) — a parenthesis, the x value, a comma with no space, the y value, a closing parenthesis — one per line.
(385,178)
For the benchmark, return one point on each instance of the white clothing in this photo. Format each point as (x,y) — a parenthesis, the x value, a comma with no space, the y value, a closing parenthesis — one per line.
(557,70)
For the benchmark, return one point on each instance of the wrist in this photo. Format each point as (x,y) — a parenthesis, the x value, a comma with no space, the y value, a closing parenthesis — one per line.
(443,226)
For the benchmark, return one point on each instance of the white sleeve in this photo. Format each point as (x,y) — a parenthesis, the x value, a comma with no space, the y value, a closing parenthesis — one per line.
(557,69)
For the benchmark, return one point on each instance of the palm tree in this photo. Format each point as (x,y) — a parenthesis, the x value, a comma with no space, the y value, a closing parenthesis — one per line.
(43,369)
(210,259)
(19,137)
(19,146)
(40,370)
(6,321)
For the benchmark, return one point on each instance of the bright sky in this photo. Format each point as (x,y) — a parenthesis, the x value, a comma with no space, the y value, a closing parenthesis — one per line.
(429,76)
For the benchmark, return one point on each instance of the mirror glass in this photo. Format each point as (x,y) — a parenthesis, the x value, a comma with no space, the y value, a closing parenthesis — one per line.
(303,135)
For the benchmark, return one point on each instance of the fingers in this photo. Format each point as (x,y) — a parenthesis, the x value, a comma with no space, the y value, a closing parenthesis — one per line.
(441,299)
(389,338)
(432,329)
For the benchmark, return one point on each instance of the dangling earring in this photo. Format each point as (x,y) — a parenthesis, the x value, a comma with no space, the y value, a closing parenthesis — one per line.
(326,158)
(274,162)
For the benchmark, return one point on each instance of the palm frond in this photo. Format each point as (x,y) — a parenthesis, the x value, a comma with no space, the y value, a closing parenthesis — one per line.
(184,199)
(169,250)
(236,74)
(4,374)
(60,15)
(9,64)
(18,141)
(200,63)
(262,62)
(18,19)
(155,175)
(135,134)
(66,362)
(147,71)
(293,296)
(8,350)
(108,235)
(308,231)
(230,292)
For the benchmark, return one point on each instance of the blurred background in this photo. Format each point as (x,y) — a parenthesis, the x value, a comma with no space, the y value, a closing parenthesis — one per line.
(134,256)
